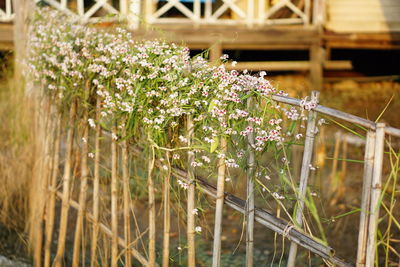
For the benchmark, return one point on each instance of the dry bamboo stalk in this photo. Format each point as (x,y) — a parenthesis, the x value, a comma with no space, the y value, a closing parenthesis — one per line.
(66,187)
(249,214)
(127,201)
(335,161)
(96,187)
(52,200)
(305,171)
(83,191)
(191,199)
(114,199)
(152,210)
(365,199)
(219,205)
(107,232)
(44,175)
(375,194)
(167,214)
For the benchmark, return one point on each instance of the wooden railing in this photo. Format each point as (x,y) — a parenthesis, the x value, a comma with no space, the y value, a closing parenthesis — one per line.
(197,12)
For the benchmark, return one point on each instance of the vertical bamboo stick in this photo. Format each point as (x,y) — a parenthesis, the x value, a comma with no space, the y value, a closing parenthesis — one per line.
(46,132)
(375,194)
(167,216)
(127,201)
(338,137)
(365,199)
(249,213)
(219,205)
(66,187)
(52,200)
(114,198)
(191,199)
(83,191)
(305,171)
(152,210)
(96,188)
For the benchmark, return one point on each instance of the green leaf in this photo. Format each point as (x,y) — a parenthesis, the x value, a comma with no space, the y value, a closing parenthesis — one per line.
(211,106)
(214,145)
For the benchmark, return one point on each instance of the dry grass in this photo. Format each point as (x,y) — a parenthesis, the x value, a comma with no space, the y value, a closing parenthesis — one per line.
(16,151)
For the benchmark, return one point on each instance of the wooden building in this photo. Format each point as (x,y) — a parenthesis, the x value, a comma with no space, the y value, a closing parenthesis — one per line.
(313,26)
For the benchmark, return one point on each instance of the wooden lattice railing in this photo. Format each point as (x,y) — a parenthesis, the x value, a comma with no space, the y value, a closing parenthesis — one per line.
(210,12)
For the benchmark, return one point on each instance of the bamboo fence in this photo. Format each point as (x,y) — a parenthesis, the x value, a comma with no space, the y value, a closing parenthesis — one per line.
(90,199)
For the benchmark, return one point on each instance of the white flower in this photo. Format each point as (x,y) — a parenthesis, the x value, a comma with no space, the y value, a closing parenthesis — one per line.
(198,229)
(176,156)
(227,179)
(91,123)
(91,155)
(195,211)
(114,136)
(277,196)
(84,140)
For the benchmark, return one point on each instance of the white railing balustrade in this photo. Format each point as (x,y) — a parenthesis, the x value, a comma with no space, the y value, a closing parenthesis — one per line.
(206,12)
(6,11)
(220,12)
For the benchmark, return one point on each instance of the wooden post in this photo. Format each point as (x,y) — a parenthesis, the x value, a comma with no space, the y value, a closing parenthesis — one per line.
(83,191)
(375,195)
(114,198)
(215,52)
(250,193)
(305,171)
(316,68)
(96,187)
(152,210)
(127,200)
(191,200)
(66,187)
(365,199)
(219,205)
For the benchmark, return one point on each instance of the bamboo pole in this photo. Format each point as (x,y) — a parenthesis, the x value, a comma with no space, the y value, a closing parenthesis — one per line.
(96,188)
(114,199)
(152,210)
(250,193)
(46,132)
(305,171)
(167,214)
(333,180)
(127,201)
(83,191)
(191,199)
(52,200)
(365,199)
(66,187)
(219,205)
(375,195)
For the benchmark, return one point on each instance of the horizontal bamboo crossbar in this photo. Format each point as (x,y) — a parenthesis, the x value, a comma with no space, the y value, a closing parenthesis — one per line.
(338,114)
